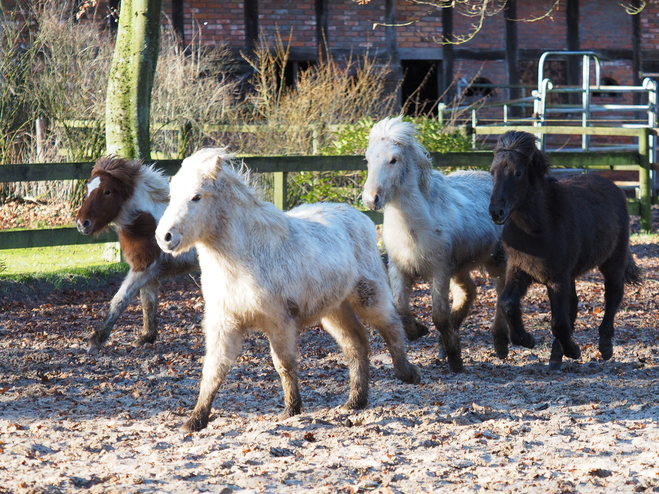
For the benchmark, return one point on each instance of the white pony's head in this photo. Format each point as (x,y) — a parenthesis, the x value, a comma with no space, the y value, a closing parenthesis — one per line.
(193,208)
(393,151)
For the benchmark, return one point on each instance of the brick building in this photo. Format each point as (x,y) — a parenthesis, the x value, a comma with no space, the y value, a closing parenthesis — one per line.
(504,51)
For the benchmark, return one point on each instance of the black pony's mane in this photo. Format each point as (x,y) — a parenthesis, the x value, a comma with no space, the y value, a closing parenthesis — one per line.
(524,144)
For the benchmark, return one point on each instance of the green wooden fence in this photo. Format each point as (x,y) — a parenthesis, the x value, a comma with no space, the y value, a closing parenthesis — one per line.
(280,166)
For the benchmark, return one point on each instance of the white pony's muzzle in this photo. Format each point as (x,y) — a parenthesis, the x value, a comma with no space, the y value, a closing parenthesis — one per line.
(168,240)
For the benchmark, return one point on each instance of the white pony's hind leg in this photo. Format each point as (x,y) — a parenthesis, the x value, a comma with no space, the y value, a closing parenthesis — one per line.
(351,336)
(441,317)
(463,290)
(401,287)
(384,317)
(500,331)
(223,342)
(283,348)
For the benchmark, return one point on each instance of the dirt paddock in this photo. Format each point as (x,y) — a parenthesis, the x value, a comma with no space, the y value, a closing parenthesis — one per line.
(70,422)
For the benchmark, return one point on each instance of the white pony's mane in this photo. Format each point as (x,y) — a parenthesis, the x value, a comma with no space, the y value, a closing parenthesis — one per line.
(404,135)
(237,175)
(151,195)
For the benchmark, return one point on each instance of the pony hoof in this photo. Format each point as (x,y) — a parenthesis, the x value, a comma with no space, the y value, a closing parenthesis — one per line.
(194,424)
(355,404)
(441,352)
(501,348)
(525,339)
(606,351)
(411,375)
(455,365)
(143,340)
(572,350)
(554,366)
(93,349)
(416,331)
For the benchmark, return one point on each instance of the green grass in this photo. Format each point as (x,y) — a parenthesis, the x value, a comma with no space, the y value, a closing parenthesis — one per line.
(42,260)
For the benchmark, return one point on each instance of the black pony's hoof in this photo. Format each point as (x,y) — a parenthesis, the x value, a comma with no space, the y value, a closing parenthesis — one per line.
(606,349)
(524,339)
(501,349)
(455,364)
(555,366)
(572,350)
(441,351)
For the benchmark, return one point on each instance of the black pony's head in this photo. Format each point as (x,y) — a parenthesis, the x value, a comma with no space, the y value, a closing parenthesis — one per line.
(518,166)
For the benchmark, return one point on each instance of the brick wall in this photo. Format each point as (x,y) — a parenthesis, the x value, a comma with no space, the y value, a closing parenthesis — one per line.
(351,25)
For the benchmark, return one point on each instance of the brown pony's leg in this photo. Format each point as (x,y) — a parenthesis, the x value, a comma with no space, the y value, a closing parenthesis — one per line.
(283,348)
(133,282)
(560,297)
(349,333)
(149,301)
(401,286)
(222,347)
(556,358)
(517,283)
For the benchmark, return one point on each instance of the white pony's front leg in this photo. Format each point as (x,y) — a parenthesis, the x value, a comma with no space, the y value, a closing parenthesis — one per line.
(441,318)
(283,348)
(223,343)
(401,286)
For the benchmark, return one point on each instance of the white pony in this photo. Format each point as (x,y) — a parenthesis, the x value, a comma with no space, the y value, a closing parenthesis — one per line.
(435,227)
(275,272)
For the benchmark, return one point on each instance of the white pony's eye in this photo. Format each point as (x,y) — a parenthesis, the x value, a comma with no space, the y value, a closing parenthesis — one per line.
(196,198)
(393,161)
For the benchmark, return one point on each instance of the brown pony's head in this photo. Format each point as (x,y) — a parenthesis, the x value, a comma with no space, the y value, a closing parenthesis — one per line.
(112,183)
(518,166)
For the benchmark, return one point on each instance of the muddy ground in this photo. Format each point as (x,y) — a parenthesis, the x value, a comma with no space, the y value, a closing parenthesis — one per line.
(70,422)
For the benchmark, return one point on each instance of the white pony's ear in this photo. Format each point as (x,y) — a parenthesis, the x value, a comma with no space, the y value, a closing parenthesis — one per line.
(211,167)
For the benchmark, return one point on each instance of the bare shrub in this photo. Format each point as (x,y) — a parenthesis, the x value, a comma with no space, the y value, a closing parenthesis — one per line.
(193,88)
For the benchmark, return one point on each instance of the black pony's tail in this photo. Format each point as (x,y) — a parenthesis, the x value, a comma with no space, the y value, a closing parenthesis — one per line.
(633,274)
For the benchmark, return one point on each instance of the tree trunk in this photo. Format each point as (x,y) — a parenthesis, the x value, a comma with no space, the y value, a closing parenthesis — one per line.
(128,103)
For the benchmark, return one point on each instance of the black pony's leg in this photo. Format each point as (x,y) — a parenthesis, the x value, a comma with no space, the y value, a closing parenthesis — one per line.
(614,287)
(561,326)
(556,358)
(517,283)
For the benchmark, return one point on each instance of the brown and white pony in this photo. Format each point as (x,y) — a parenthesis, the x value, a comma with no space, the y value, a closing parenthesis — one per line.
(132,197)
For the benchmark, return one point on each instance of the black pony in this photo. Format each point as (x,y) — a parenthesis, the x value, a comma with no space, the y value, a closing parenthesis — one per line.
(555,231)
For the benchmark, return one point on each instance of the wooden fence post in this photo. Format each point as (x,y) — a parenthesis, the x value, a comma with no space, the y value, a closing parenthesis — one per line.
(281,190)
(40,127)
(644,179)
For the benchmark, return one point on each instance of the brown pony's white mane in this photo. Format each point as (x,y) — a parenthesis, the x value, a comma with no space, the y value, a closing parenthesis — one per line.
(150,192)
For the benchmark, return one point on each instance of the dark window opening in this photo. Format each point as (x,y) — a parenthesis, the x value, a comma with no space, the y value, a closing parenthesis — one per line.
(177,20)
(607,81)
(475,88)
(292,70)
(420,89)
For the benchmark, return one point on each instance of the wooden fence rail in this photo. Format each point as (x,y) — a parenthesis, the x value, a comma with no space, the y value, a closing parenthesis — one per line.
(280,166)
